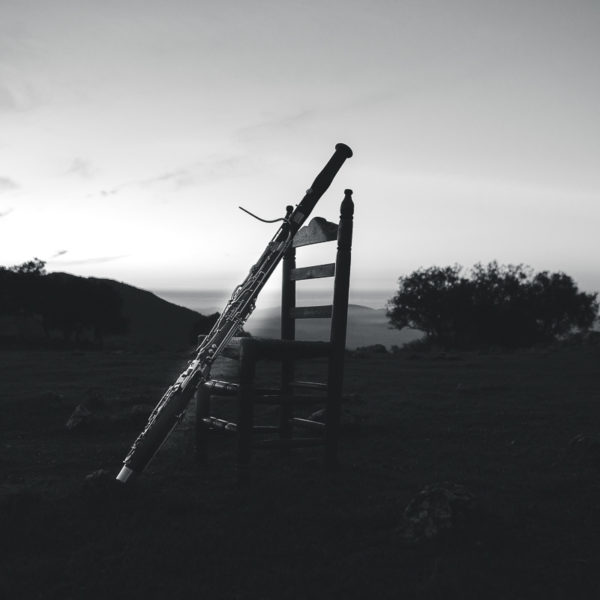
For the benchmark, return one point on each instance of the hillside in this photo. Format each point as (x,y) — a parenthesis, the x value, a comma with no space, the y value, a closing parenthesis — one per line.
(156,323)
(153,322)
(366,326)
(49,309)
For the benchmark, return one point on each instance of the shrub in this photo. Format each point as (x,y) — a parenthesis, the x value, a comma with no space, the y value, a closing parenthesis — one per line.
(493,305)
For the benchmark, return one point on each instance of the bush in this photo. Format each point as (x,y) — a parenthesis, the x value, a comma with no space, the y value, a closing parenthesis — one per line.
(506,306)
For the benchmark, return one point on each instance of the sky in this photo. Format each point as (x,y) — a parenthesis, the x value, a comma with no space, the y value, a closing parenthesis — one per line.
(131,131)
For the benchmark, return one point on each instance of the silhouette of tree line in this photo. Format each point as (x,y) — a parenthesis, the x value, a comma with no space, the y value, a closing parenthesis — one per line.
(493,305)
(72,305)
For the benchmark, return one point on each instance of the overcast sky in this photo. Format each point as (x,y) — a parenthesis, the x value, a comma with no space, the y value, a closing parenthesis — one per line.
(130,131)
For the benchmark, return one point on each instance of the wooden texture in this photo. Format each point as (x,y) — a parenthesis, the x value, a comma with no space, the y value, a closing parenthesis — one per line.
(309,424)
(289,443)
(312,312)
(310,385)
(317,231)
(288,333)
(201,429)
(246,407)
(221,424)
(273,349)
(314,272)
(298,400)
(220,388)
(339,321)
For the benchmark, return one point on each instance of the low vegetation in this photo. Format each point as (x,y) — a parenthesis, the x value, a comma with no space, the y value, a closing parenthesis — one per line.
(518,430)
(511,435)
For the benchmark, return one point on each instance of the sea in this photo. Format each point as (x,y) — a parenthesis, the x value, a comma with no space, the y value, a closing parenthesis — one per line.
(211,301)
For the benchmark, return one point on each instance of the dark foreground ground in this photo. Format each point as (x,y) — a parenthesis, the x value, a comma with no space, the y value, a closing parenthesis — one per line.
(498,423)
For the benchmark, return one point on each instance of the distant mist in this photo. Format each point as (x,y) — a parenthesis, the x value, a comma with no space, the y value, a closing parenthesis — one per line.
(210,301)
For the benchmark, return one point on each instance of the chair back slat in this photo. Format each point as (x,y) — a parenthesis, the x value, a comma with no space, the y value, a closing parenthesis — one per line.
(313,272)
(317,231)
(312,312)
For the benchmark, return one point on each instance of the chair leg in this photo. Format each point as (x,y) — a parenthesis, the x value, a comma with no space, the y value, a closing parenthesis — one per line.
(202,429)
(285,420)
(246,410)
(286,409)
(332,427)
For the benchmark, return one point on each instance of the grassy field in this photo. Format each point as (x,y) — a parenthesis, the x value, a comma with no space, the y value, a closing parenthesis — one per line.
(498,423)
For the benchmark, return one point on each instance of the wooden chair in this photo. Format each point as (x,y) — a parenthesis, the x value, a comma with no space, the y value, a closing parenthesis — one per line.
(291,392)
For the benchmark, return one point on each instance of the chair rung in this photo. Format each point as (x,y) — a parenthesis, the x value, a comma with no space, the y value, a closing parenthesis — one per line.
(311,312)
(309,385)
(308,424)
(266,348)
(313,272)
(221,388)
(267,391)
(220,424)
(223,425)
(266,428)
(301,400)
(291,443)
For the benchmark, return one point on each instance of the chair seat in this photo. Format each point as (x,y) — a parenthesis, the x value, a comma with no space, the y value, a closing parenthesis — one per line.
(276,349)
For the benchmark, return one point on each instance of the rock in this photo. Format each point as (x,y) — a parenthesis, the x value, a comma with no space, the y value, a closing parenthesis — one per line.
(108,416)
(95,476)
(437,510)
(81,418)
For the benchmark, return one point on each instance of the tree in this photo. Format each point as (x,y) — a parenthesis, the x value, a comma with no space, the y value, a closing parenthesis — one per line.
(433,300)
(31,267)
(508,306)
(21,287)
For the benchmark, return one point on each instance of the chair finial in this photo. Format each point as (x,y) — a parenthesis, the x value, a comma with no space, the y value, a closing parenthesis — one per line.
(347,207)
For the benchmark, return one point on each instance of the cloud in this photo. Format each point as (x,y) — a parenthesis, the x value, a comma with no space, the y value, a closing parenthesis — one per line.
(7,184)
(3,213)
(181,178)
(81,168)
(18,95)
(86,261)
(201,171)
(7,100)
(286,122)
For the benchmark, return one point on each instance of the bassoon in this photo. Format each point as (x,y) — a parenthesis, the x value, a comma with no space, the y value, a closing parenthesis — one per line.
(171,407)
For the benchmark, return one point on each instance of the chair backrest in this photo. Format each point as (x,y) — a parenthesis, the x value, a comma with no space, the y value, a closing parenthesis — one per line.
(318,231)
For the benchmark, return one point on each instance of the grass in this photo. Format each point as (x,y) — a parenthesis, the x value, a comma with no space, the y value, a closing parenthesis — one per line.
(499,423)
